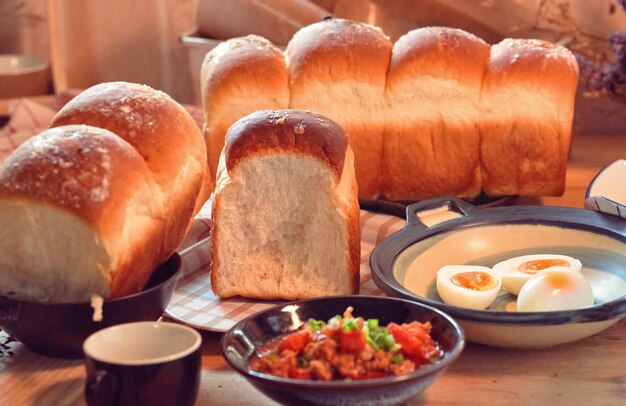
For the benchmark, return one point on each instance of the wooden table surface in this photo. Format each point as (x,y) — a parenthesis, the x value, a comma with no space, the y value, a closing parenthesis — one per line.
(588,372)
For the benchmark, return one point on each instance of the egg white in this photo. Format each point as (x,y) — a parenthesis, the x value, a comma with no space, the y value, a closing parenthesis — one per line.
(513,279)
(553,290)
(460,296)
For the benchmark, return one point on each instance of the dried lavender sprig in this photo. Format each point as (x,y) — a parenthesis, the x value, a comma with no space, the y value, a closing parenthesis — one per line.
(617,39)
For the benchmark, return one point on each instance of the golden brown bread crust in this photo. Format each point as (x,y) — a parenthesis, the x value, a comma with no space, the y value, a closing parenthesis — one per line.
(441,52)
(338,48)
(240,76)
(287,130)
(98,177)
(163,133)
(525,152)
(431,138)
(73,167)
(337,67)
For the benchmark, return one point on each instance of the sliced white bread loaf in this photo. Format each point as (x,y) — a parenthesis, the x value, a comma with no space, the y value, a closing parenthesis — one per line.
(285,209)
(238,77)
(431,138)
(527,109)
(337,68)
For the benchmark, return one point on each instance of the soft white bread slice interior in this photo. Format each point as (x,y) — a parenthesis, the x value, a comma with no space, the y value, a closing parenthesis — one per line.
(238,77)
(527,108)
(80,215)
(338,68)
(163,133)
(431,138)
(285,209)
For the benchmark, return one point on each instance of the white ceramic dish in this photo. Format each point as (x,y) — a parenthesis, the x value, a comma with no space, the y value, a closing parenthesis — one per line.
(405,265)
(23,75)
(606,192)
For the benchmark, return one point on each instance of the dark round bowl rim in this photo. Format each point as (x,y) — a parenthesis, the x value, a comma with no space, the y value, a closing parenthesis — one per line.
(574,218)
(425,370)
(175,256)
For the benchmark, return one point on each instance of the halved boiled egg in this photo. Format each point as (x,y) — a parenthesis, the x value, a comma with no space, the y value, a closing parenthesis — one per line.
(471,286)
(555,289)
(515,272)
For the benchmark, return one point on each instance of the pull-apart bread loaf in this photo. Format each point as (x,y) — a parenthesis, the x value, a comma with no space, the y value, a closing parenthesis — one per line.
(163,133)
(76,203)
(438,112)
(94,209)
(527,109)
(432,143)
(285,209)
(337,68)
(238,77)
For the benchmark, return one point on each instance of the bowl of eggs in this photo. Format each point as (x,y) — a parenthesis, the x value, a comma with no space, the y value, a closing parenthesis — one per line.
(516,276)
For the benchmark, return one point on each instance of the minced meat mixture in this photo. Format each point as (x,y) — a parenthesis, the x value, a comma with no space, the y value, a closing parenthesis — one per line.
(348,348)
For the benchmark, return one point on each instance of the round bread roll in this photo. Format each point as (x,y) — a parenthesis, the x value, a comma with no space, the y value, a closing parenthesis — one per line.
(163,133)
(80,215)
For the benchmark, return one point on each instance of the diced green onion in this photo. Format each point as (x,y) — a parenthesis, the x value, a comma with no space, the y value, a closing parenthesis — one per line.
(316,325)
(334,321)
(349,324)
(372,324)
(388,341)
(398,359)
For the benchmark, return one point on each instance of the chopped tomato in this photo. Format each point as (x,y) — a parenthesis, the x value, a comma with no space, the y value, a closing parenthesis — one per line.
(415,340)
(330,332)
(300,373)
(352,341)
(296,341)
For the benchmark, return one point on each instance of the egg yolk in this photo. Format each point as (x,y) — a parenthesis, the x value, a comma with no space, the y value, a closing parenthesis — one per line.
(532,267)
(474,280)
(558,281)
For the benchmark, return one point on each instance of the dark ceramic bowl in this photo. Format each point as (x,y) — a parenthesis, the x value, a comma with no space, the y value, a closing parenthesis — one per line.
(242,341)
(449,231)
(59,329)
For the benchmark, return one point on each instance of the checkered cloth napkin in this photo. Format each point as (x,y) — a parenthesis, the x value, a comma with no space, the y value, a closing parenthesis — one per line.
(193,301)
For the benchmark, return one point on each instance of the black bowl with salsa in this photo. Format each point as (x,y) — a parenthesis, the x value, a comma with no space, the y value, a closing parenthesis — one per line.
(343,350)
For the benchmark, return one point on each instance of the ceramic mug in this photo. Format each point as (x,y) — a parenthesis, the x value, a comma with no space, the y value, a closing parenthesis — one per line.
(143,363)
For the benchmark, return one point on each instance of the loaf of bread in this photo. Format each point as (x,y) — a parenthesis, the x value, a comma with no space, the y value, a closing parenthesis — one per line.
(87,211)
(439,112)
(337,68)
(432,144)
(240,76)
(285,209)
(527,109)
